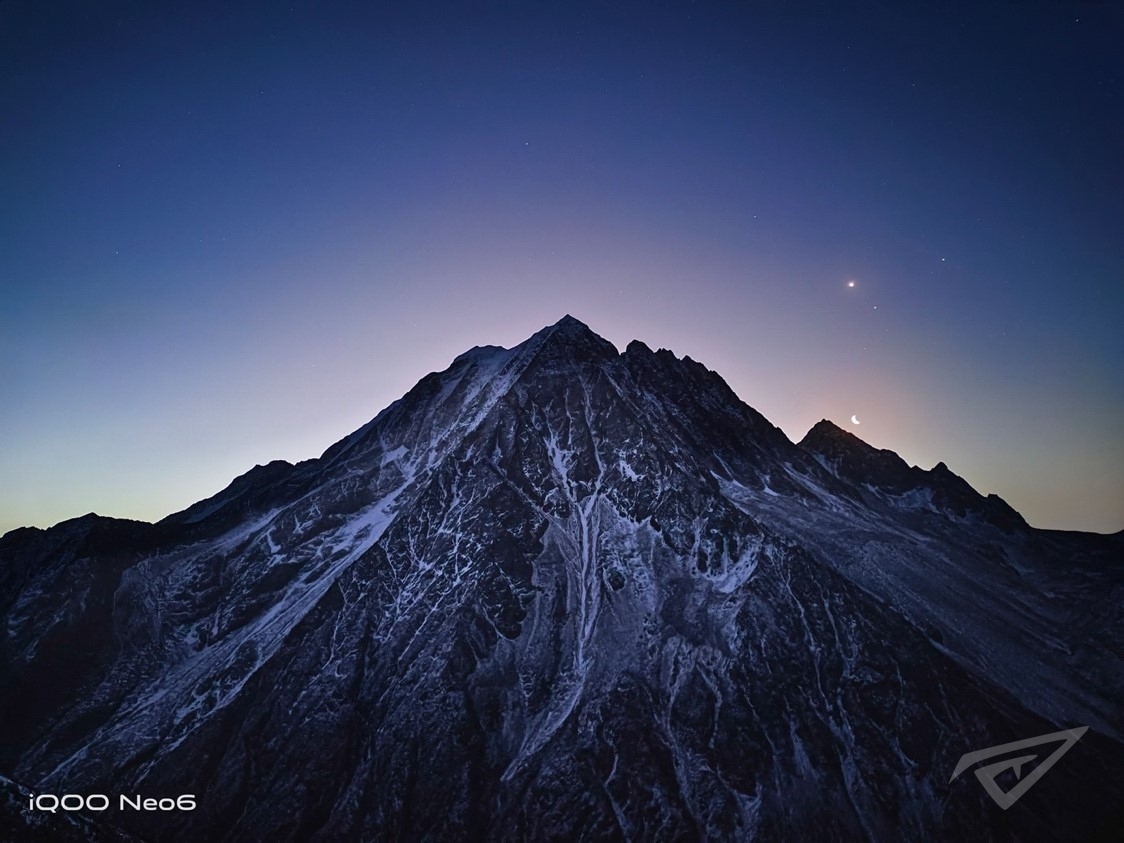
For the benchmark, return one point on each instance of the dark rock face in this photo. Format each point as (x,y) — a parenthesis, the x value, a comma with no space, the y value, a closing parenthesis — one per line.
(557,592)
(887,476)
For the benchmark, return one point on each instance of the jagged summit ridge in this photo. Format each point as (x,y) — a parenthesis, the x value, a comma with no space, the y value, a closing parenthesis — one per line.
(888,475)
(571,326)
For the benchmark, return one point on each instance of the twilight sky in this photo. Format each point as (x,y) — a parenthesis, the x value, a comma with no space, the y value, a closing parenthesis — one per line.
(234,235)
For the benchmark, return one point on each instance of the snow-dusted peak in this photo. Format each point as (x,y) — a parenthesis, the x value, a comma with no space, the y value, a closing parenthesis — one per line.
(482,354)
(557,592)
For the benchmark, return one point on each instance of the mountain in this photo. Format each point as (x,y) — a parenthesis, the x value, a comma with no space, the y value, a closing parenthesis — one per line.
(558,592)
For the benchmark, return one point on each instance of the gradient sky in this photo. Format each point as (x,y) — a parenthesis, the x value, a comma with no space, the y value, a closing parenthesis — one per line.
(233,235)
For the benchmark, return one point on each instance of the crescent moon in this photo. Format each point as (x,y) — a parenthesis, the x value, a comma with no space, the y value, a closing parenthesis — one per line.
(855,420)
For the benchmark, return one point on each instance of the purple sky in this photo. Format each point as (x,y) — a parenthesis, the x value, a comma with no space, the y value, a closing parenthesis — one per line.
(232,236)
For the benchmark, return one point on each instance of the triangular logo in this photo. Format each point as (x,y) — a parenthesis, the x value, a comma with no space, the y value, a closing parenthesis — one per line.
(987,775)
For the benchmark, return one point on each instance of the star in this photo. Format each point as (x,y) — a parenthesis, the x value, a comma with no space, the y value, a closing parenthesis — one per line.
(850,283)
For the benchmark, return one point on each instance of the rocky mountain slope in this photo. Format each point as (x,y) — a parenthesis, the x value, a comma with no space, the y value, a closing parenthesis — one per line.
(561,592)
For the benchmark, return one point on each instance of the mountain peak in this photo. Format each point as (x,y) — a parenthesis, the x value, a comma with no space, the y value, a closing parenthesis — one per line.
(637,347)
(568,327)
(568,322)
(829,439)
(850,458)
(572,338)
(826,428)
(573,329)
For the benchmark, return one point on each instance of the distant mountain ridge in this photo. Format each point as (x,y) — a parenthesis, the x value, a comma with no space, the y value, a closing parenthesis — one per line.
(885,473)
(560,591)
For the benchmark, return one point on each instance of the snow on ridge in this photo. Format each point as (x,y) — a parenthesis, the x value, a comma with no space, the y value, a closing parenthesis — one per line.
(227,665)
(392,456)
(483,355)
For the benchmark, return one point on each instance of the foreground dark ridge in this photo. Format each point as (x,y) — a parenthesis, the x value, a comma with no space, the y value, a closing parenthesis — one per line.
(555,592)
